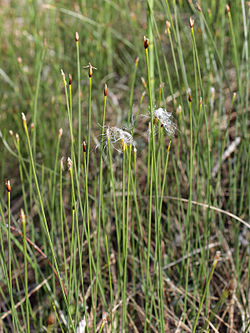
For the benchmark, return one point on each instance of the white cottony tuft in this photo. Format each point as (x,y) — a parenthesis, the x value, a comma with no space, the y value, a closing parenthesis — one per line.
(165,119)
(118,136)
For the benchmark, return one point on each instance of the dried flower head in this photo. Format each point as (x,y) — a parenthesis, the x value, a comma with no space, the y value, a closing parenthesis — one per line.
(84,146)
(69,163)
(23,117)
(165,119)
(146,42)
(191,22)
(77,37)
(70,79)
(60,132)
(90,67)
(22,216)
(105,90)
(7,186)
(168,26)
(119,138)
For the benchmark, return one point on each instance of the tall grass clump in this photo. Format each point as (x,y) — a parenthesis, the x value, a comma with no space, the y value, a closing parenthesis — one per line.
(125,192)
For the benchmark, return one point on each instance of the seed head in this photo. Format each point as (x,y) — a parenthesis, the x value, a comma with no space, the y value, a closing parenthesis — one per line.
(144,82)
(227,8)
(165,119)
(84,146)
(90,67)
(146,42)
(70,79)
(24,117)
(32,126)
(63,76)
(168,25)
(17,137)
(60,132)
(7,186)
(179,110)
(105,90)
(22,216)
(118,137)
(77,37)
(11,133)
(191,22)
(69,163)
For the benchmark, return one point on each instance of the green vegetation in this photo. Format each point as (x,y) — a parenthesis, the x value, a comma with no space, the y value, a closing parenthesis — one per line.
(124,160)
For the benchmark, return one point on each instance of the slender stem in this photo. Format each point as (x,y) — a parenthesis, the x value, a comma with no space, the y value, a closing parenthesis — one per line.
(205,291)
(79,108)
(23,218)
(9,262)
(45,224)
(89,123)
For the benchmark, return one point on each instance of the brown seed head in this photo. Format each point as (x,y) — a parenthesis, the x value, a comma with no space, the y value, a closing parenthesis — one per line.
(7,186)
(201,101)
(77,37)
(191,22)
(146,42)
(227,8)
(84,146)
(70,79)
(105,90)
(189,98)
(137,60)
(90,67)
(32,126)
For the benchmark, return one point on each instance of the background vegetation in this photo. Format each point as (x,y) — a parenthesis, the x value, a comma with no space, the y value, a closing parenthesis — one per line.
(153,239)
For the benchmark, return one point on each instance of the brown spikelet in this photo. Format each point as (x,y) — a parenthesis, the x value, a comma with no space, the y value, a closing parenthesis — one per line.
(70,79)
(146,42)
(84,146)
(105,90)
(7,186)
(191,22)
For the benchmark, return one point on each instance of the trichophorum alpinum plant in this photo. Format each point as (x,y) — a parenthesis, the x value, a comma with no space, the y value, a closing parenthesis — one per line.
(139,224)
